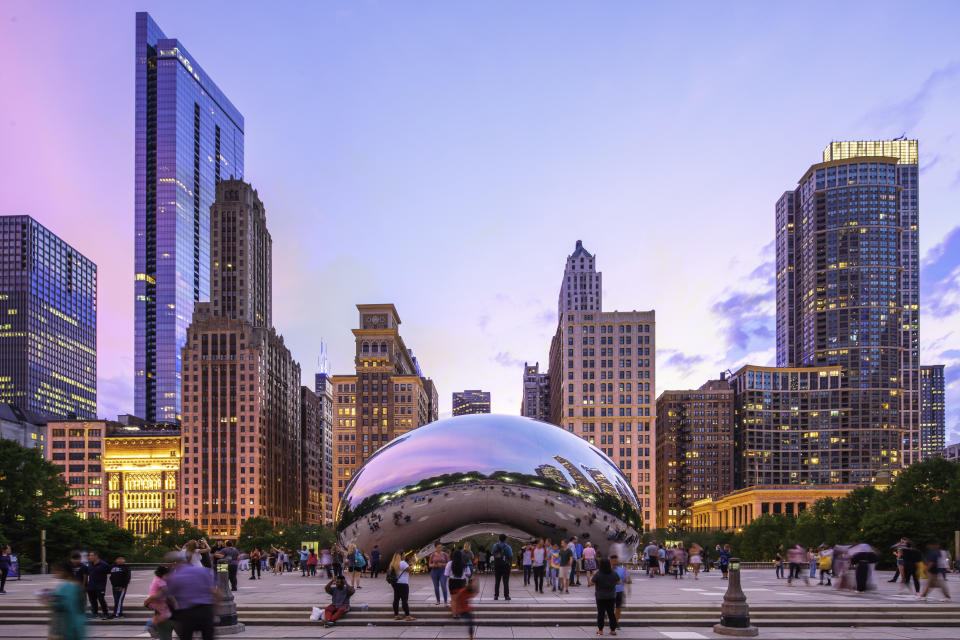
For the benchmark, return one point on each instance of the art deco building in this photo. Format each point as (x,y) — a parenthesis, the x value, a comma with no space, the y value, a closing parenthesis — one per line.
(933,418)
(694,449)
(323,388)
(241,387)
(48,331)
(386,397)
(847,285)
(471,401)
(603,377)
(311,457)
(188,137)
(536,393)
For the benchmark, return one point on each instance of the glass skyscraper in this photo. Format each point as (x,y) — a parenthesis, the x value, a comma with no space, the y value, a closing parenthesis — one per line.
(188,137)
(933,418)
(48,322)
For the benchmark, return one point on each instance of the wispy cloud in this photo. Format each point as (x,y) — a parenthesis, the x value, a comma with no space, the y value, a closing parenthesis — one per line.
(508,360)
(907,113)
(940,276)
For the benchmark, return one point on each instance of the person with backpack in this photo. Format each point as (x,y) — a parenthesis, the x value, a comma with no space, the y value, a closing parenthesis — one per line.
(457,572)
(724,561)
(355,564)
(398,577)
(502,555)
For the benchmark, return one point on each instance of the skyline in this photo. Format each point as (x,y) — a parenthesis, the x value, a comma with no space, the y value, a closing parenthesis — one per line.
(370,178)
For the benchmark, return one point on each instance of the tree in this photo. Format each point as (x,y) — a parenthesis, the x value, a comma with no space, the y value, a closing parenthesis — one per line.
(760,538)
(30,489)
(169,535)
(257,532)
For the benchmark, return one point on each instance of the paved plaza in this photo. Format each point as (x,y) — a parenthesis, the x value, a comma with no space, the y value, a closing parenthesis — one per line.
(278,607)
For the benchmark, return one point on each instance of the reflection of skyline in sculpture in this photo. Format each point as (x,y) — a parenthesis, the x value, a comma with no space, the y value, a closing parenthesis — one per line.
(487,469)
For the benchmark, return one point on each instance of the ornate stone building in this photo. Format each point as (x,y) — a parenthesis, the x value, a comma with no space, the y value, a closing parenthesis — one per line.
(141,469)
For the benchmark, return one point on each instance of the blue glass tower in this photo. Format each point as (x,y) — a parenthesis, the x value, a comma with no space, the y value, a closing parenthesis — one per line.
(188,137)
(48,322)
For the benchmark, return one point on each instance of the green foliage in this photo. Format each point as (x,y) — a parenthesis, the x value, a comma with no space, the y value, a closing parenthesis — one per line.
(30,490)
(261,532)
(171,534)
(257,532)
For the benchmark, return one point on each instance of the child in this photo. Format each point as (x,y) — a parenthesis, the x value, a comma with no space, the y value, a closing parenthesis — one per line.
(119,580)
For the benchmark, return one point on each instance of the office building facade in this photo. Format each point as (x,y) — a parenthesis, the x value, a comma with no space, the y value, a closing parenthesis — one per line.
(323,388)
(75,447)
(241,386)
(471,401)
(188,137)
(311,457)
(27,429)
(387,395)
(847,281)
(695,449)
(48,335)
(536,393)
(603,377)
(933,416)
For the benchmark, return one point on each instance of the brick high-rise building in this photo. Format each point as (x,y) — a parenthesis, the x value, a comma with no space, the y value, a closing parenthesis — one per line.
(311,457)
(536,393)
(470,401)
(241,386)
(933,417)
(386,397)
(48,337)
(847,283)
(603,377)
(694,449)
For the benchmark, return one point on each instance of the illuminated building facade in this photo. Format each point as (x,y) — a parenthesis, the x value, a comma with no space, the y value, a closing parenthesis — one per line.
(386,397)
(847,282)
(141,470)
(805,426)
(188,137)
(933,417)
(48,322)
(471,401)
(323,388)
(536,393)
(739,508)
(603,377)
(241,387)
(694,449)
(75,447)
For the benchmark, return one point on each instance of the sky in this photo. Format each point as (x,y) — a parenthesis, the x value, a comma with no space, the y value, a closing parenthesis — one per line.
(446,156)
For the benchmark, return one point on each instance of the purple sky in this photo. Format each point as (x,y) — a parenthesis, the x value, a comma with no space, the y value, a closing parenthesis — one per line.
(446,156)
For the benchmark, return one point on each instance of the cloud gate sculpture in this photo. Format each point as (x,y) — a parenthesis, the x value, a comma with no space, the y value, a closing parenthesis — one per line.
(488,473)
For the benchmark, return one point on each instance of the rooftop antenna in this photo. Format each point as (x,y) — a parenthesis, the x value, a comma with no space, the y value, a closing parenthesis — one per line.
(323,363)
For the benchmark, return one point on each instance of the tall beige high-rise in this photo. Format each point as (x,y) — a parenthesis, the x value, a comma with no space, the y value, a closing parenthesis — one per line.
(603,377)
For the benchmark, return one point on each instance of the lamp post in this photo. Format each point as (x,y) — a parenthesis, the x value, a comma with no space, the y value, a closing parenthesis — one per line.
(734,614)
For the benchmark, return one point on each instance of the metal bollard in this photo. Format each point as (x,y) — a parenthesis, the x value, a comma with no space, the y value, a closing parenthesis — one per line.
(735,614)
(226,607)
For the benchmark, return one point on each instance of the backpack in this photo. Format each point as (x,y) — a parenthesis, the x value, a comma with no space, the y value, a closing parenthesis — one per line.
(359,560)
(499,557)
(393,576)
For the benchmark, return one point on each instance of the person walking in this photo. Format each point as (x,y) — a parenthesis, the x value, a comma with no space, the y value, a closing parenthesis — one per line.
(232,556)
(911,558)
(194,590)
(95,584)
(502,555)
(605,581)
(863,558)
(375,561)
(578,548)
(825,563)
(898,554)
(255,557)
(932,559)
(468,557)
(723,561)
(398,577)
(336,562)
(527,560)
(465,608)
(589,560)
(679,561)
(624,576)
(812,560)
(538,562)
(438,562)
(696,559)
(119,580)
(796,556)
(67,620)
(457,572)
(160,625)
(326,562)
(566,566)
(355,564)
(778,562)
(5,565)
(553,566)
(705,555)
(572,574)
(653,563)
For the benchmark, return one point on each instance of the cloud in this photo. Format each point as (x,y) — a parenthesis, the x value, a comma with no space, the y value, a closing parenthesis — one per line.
(114,396)
(683,364)
(908,113)
(546,317)
(505,359)
(745,320)
(940,276)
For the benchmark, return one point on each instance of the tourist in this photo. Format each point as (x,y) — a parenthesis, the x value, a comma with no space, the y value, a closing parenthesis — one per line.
(160,625)
(95,584)
(679,561)
(911,558)
(579,550)
(302,556)
(812,560)
(705,555)
(464,608)
(288,560)
(527,560)
(662,559)
(898,554)
(538,560)
(399,578)
(255,557)
(778,562)
(312,563)
(277,558)
(438,562)
(553,565)
(336,560)
(863,557)
(826,564)
(624,576)
(589,560)
(796,556)
(468,557)
(232,556)
(502,555)
(375,561)
(67,621)
(482,560)
(605,582)
(572,573)
(457,572)
(696,559)
(340,593)
(932,559)
(723,561)
(326,562)
(5,566)
(119,580)
(194,590)
(355,564)
(653,564)
(566,566)
(203,553)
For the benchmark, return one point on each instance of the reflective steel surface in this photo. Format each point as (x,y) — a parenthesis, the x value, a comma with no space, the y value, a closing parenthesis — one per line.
(488,469)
